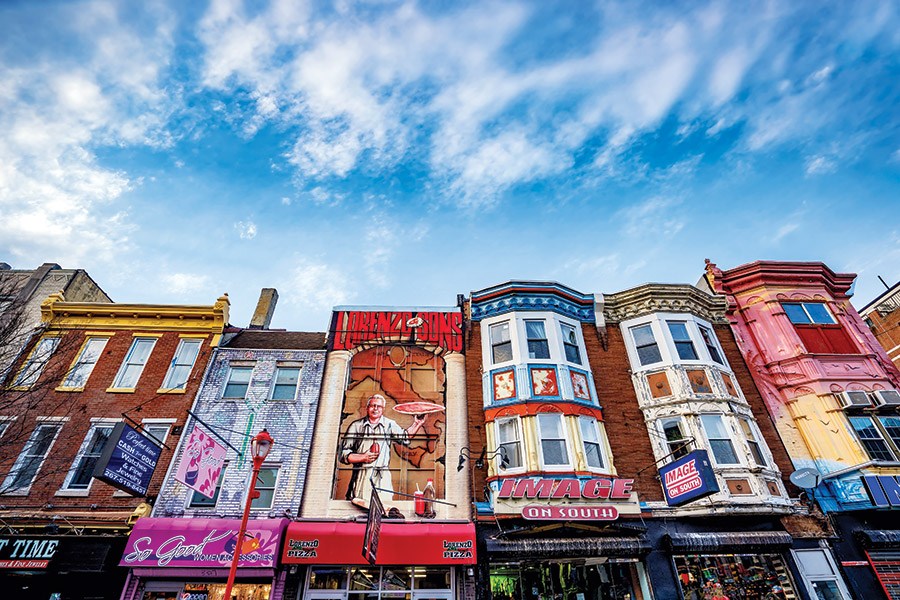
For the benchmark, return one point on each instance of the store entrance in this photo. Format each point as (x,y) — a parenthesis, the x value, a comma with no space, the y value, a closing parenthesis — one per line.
(583,579)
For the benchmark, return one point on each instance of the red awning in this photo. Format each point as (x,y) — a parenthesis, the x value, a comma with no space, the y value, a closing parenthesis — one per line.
(341,543)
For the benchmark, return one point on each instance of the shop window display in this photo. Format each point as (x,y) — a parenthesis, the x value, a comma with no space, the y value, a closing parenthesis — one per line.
(379,583)
(213,591)
(734,577)
(603,580)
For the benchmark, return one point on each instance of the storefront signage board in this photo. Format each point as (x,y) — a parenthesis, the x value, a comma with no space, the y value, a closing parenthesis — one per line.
(352,328)
(26,553)
(883,490)
(570,512)
(202,543)
(128,460)
(594,488)
(333,542)
(689,478)
(201,463)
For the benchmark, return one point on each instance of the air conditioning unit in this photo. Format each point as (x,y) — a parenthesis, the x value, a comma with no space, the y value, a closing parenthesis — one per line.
(887,398)
(855,400)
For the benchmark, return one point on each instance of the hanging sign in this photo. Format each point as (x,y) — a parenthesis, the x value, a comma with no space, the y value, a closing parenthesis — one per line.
(691,477)
(373,528)
(128,460)
(201,463)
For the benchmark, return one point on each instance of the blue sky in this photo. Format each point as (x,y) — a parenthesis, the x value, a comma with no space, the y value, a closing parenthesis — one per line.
(400,153)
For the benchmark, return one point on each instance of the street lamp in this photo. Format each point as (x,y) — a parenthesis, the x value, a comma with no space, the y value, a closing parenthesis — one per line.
(259,449)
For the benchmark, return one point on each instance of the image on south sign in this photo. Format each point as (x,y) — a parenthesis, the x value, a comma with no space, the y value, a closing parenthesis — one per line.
(418,408)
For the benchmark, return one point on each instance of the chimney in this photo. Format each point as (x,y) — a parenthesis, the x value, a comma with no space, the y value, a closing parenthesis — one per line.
(265,308)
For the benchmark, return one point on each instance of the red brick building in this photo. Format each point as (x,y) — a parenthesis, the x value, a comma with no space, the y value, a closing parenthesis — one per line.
(90,367)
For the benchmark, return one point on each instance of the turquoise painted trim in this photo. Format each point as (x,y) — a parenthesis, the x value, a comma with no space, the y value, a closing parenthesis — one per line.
(531,302)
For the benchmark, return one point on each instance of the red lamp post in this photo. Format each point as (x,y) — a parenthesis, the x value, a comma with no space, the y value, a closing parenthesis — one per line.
(259,449)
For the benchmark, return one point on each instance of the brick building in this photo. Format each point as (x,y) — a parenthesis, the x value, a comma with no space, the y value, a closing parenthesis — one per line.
(882,315)
(832,394)
(93,366)
(256,379)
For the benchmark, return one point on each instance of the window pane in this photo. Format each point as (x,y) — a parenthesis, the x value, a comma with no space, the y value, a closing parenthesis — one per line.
(537,340)
(647,349)
(182,364)
(90,354)
(682,339)
(714,426)
(238,380)
(551,425)
(436,578)
(502,352)
(328,578)
(871,439)
(795,313)
(500,333)
(36,362)
(285,384)
(266,478)
(724,452)
(535,330)
(649,354)
(513,455)
(643,335)
(88,460)
(508,431)
(892,427)
(364,578)
(709,340)
(141,351)
(554,452)
(589,429)
(30,460)
(818,313)
(570,343)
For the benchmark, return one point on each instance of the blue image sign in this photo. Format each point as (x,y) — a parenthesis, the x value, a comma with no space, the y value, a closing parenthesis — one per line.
(128,460)
(691,477)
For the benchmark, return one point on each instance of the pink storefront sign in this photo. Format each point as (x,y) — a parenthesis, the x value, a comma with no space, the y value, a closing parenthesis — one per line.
(201,463)
(202,543)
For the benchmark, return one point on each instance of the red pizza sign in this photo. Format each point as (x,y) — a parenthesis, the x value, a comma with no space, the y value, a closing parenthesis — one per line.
(352,328)
(596,488)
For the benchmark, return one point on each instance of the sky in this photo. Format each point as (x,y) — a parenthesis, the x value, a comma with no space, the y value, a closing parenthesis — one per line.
(401,153)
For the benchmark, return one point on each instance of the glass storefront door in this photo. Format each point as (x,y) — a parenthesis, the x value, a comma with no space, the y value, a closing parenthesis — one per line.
(586,579)
(379,583)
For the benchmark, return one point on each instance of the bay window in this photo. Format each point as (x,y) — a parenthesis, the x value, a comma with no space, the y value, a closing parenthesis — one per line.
(590,440)
(552,435)
(683,343)
(719,439)
(509,441)
(538,347)
(753,442)
(817,328)
(645,343)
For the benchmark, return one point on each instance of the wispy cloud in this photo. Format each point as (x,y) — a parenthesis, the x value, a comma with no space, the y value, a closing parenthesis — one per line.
(657,217)
(246,229)
(186,283)
(316,285)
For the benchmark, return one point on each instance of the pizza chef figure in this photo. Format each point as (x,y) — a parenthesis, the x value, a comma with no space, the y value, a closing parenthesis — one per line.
(367,446)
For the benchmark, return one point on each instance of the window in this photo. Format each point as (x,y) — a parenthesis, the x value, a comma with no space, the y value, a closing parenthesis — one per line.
(79,477)
(682,339)
(570,343)
(265,485)
(647,348)
(553,439)
(501,346)
(198,500)
(754,443)
(36,362)
(88,356)
(537,340)
(156,432)
(510,441)
(710,340)
(817,329)
(590,438)
(134,362)
(871,438)
(806,313)
(182,364)
(33,454)
(676,442)
(719,440)
(820,575)
(286,379)
(891,426)
(238,382)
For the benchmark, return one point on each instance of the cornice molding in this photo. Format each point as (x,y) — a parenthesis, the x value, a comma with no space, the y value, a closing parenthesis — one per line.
(532,296)
(779,276)
(56,313)
(663,297)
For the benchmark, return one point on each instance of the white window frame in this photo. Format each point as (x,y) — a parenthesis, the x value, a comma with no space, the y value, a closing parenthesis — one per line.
(82,451)
(23,457)
(278,468)
(5,422)
(634,344)
(883,436)
(665,341)
(810,579)
(540,439)
(518,441)
(231,370)
(713,344)
(545,339)
(579,342)
(183,343)
(126,362)
(594,424)
(753,436)
(731,439)
(36,362)
(78,365)
(683,447)
(511,333)
(690,340)
(275,383)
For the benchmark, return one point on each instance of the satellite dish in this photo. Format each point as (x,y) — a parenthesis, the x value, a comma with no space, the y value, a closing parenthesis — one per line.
(807,479)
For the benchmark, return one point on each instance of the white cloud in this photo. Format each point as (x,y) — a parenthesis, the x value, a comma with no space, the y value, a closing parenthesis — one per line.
(317,285)
(784,231)
(820,165)
(246,229)
(186,283)
(654,217)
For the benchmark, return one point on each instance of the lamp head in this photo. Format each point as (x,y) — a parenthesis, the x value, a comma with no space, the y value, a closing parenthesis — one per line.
(260,445)
(461,464)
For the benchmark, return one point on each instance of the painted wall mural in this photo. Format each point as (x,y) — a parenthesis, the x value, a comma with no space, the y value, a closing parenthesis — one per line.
(392,425)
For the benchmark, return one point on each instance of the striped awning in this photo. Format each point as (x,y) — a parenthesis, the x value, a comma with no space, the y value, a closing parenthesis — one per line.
(557,547)
(729,541)
(879,538)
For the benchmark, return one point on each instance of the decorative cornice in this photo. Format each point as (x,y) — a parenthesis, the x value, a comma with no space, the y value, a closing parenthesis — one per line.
(532,296)
(777,275)
(56,313)
(663,297)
